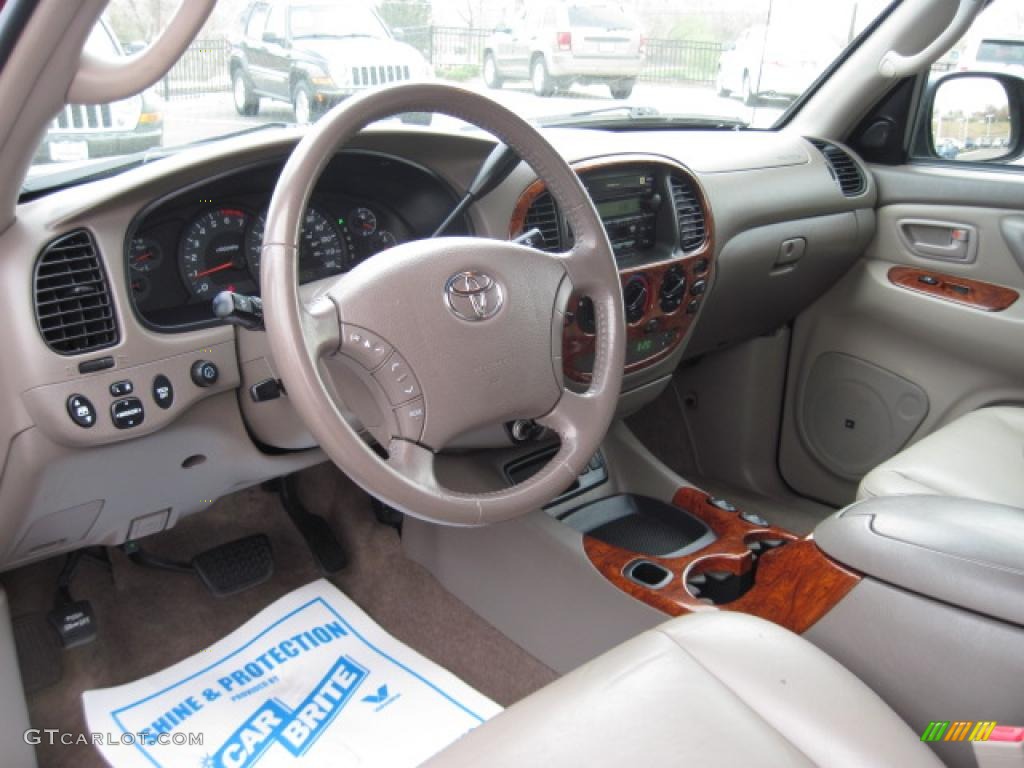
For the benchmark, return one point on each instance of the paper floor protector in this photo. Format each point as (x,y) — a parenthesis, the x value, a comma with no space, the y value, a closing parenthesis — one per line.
(309,681)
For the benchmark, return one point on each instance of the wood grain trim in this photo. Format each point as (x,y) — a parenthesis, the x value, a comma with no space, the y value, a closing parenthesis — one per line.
(795,585)
(578,346)
(971,293)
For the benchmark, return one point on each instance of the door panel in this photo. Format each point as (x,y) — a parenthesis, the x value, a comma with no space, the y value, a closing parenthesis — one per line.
(915,355)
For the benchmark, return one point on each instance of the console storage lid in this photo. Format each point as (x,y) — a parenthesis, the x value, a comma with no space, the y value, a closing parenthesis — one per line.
(963,552)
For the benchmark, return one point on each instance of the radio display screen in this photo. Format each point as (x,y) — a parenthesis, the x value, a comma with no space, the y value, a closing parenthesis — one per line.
(615,208)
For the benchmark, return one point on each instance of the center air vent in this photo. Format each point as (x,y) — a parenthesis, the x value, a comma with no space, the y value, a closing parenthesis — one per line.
(72,301)
(543,214)
(844,169)
(692,224)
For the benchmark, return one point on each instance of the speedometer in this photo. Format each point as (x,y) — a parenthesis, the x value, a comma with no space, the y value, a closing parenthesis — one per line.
(323,251)
(213,254)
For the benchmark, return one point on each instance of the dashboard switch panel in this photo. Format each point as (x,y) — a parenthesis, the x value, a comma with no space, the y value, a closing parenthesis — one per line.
(81,411)
(204,373)
(127,413)
(163,391)
(121,388)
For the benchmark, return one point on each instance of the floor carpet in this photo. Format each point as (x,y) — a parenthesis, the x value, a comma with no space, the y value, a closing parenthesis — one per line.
(150,619)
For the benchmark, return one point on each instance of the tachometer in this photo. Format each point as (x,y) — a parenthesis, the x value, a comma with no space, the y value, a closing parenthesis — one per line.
(144,254)
(213,254)
(322,253)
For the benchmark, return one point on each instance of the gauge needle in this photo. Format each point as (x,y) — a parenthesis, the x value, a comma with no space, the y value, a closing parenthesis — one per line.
(144,256)
(218,268)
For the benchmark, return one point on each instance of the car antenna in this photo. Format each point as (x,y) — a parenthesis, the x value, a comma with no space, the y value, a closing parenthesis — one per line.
(496,167)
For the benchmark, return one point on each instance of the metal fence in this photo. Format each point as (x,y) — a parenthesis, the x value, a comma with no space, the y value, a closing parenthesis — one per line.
(458,52)
(454,52)
(681,61)
(203,68)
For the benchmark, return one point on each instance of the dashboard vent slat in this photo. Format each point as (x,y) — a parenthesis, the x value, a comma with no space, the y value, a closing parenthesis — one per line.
(74,312)
(543,214)
(692,222)
(844,169)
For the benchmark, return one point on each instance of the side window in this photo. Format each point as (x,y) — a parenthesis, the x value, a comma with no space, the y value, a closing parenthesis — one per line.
(276,30)
(257,21)
(973,107)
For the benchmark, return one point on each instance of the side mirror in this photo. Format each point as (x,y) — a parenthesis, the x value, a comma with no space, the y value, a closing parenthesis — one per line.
(398,34)
(729,47)
(273,38)
(133,47)
(972,117)
(503,29)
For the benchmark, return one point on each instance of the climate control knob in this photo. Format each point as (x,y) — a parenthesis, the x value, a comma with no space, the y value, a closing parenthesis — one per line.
(635,295)
(673,286)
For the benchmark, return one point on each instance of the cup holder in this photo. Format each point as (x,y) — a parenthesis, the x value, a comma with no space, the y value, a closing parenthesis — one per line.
(721,580)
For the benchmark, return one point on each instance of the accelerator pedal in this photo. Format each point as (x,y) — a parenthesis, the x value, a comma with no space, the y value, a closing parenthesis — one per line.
(327,551)
(235,566)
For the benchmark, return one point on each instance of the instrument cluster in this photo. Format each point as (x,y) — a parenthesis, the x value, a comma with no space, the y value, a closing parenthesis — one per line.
(184,250)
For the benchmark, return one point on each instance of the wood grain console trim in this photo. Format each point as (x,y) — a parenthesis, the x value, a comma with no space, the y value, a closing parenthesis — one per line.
(960,290)
(656,324)
(795,585)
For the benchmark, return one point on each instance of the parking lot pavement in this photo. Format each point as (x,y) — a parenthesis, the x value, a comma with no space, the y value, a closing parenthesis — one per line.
(192,119)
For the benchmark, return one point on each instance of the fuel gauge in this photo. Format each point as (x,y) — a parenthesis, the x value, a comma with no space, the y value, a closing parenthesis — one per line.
(363,222)
(144,254)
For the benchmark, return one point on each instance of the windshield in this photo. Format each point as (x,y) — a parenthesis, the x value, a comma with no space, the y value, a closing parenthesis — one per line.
(261,64)
(333,20)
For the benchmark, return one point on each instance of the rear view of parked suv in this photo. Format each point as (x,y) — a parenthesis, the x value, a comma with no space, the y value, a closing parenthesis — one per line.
(557,44)
(314,54)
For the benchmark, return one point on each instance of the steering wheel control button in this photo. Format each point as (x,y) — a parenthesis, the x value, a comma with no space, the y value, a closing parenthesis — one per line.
(121,388)
(127,413)
(81,411)
(204,373)
(163,391)
(411,417)
(366,348)
(398,381)
(473,296)
(268,389)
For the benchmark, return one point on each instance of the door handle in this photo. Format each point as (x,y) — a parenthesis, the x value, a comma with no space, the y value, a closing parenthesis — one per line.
(942,240)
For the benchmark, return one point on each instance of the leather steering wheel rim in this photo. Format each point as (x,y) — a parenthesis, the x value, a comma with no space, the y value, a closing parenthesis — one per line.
(306,326)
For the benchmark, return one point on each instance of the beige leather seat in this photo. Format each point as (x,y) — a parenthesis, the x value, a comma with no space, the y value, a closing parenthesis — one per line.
(713,689)
(978,456)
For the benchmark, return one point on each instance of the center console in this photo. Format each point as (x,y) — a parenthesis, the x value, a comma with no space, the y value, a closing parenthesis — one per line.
(660,229)
(702,553)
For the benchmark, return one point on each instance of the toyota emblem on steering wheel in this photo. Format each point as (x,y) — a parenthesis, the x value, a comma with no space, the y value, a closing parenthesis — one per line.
(473,296)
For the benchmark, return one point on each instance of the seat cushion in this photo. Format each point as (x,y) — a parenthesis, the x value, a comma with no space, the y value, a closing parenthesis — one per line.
(978,456)
(711,689)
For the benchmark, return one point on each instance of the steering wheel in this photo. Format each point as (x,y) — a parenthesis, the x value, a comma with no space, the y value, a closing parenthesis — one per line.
(458,332)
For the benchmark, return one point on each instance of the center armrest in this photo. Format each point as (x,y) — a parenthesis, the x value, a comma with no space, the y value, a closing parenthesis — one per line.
(961,551)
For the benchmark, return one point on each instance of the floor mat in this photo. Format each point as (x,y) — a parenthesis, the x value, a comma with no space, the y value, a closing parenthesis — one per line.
(310,680)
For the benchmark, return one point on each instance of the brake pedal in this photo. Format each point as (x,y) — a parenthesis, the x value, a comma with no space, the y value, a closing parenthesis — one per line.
(235,566)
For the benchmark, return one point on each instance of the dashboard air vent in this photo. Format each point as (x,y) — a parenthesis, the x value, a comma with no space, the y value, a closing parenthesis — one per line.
(543,214)
(844,169)
(73,308)
(692,224)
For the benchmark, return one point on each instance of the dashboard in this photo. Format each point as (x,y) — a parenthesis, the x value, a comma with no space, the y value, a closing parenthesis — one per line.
(186,247)
(137,407)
